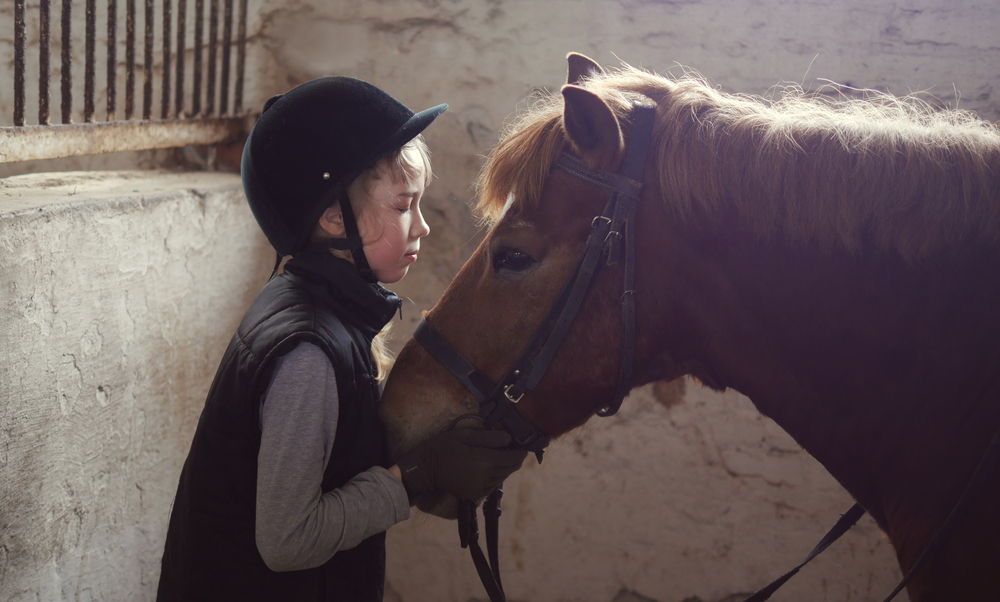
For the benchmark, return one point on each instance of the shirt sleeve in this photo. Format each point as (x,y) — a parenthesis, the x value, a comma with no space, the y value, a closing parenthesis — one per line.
(297,525)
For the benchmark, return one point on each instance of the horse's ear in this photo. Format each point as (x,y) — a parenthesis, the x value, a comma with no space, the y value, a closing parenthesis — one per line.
(590,123)
(581,67)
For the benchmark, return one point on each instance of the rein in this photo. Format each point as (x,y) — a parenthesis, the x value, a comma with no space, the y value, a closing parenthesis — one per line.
(989,460)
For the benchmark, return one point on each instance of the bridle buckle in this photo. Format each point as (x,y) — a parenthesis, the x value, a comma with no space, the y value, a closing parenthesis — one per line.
(506,393)
(599,219)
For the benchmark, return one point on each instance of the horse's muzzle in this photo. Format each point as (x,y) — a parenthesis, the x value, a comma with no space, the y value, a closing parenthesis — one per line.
(439,503)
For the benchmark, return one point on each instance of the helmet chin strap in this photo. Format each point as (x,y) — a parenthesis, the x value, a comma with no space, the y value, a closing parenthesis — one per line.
(353,241)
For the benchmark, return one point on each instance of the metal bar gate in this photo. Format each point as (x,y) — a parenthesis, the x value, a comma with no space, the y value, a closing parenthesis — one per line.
(207,119)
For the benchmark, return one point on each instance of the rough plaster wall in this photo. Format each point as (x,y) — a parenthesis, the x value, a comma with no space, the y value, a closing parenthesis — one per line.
(119,294)
(695,501)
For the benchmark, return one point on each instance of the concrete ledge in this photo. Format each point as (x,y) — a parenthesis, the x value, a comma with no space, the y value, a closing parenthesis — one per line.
(49,192)
(120,291)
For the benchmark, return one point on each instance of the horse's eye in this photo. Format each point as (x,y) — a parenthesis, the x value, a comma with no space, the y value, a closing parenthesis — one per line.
(512,260)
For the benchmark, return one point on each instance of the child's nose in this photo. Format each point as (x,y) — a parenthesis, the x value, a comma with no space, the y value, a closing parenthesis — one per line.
(419,229)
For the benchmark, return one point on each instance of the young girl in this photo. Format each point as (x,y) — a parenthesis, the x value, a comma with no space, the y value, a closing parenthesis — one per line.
(288,488)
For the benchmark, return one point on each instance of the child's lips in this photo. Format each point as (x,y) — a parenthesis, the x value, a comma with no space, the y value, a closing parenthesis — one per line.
(412,256)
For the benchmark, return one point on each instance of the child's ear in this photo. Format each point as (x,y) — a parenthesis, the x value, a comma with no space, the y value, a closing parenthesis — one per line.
(332,221)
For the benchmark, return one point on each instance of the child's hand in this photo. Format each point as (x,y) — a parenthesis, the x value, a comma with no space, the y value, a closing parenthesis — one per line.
(469,463)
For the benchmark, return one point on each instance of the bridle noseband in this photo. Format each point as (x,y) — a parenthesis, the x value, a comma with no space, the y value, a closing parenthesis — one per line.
(612,236)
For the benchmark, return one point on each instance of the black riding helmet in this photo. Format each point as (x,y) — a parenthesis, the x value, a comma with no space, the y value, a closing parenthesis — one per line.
(309,145)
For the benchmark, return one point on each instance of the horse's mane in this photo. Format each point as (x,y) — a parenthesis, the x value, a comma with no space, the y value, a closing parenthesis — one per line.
(803,167)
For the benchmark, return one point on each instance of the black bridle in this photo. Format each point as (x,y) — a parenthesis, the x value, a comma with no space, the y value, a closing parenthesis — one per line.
(612,239)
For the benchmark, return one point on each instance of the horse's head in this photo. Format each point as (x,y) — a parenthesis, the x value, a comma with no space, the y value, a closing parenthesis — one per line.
(542,218)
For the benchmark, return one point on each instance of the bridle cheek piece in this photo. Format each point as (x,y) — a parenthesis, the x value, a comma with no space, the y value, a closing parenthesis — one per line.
(612,236)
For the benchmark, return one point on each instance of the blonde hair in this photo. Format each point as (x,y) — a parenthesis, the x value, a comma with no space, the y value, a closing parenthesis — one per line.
(381,355)
(403,163)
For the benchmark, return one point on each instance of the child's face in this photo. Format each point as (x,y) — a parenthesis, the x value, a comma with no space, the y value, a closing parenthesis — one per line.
(391,224)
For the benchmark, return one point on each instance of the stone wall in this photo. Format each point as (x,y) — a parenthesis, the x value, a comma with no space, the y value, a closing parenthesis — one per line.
(121,290)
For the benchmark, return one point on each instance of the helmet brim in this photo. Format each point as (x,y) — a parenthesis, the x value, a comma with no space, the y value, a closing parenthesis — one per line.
(406,132)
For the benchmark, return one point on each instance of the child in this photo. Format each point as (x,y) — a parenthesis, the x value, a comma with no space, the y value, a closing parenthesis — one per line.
(288,489)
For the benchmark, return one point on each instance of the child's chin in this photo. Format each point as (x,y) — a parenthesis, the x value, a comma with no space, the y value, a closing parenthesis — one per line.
(392,278)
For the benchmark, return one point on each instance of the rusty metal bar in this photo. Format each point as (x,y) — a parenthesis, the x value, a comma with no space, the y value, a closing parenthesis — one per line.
(67,62)
(44,141)
(43,62)
(19,68)
(19,42)
(227,41)
(213,34)
(112,59)
(199,23)
(181,34)
(147,67)
(165,79)
(241,58)
(129,59)
(32,142)
(89,60)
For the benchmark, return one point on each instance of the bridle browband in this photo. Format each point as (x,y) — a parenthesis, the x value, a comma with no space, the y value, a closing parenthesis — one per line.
(612,238)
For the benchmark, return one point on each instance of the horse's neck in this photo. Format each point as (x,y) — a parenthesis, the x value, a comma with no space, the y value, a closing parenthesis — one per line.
(843,352)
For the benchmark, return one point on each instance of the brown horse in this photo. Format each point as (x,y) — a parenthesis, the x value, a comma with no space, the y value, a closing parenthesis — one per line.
(837,261)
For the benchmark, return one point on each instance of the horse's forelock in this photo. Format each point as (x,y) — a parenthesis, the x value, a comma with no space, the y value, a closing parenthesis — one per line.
(515,170)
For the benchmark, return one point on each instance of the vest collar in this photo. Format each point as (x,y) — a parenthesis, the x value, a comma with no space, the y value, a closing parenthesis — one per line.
(369,306)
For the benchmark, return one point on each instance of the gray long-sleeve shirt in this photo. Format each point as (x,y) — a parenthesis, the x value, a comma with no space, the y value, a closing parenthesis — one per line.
(299,526)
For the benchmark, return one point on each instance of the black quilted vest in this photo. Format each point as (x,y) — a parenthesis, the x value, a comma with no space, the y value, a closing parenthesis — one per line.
(210,552)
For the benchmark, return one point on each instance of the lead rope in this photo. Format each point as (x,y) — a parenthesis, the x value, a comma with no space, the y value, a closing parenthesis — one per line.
(468,534)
